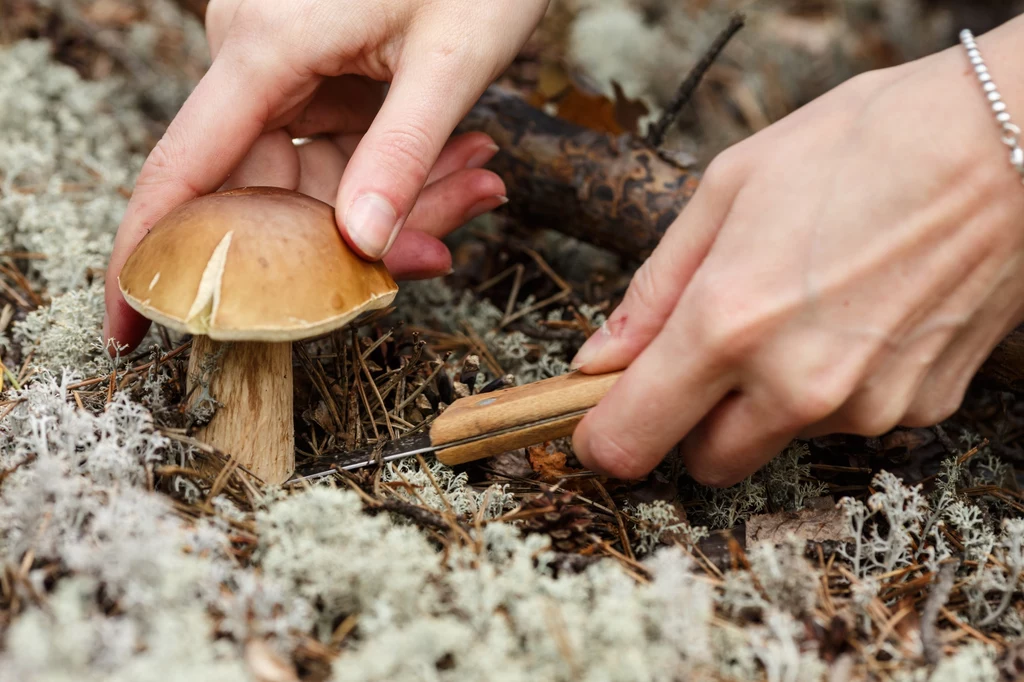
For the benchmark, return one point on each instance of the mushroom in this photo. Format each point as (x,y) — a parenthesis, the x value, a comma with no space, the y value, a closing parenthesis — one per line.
(247,272)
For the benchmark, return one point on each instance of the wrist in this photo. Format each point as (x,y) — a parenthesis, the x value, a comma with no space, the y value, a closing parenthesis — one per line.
(981,90)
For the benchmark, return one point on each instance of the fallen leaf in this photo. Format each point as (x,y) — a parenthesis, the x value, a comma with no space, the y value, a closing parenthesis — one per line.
(321,416)
(907,440)
(816,525)
(549,464)
(513,464)
(568,101)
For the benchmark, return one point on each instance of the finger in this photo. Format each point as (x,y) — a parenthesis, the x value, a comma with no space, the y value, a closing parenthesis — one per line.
(878,405)
(736,439)
(271,162)
(212,133)
(653,405)
(880,401)
(322,164)
(942,390)
(659,282)
(393,160)
(455,200)
(417,255)
(470,150)
(347,143)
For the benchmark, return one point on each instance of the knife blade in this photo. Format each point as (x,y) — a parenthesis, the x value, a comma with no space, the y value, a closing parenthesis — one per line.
(483,425)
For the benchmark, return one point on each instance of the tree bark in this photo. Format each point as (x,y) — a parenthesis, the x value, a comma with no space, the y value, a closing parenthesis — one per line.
(613,192)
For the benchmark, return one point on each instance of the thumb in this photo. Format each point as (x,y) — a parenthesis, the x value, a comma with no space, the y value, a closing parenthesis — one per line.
(659,282)
(391,164)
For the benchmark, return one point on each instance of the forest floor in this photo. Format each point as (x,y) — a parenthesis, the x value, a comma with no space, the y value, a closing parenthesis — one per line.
(129,550)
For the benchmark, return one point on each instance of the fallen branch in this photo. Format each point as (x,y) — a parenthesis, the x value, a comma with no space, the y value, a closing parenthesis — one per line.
(614,192)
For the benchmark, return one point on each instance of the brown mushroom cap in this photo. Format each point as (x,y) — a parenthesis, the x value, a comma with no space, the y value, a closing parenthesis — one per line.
(252,264)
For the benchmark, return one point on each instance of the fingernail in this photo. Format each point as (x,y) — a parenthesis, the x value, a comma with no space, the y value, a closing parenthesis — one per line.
(480,159)
(488,204)
(591,348)
(372,224)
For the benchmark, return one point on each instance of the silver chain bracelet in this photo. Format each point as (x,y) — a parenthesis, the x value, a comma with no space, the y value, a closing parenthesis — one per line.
(1011,132)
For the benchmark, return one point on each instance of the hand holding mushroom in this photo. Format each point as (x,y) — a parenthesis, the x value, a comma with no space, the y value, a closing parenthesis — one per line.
(283,70)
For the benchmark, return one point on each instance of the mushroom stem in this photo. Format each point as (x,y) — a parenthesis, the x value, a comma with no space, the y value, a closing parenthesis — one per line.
(252,384)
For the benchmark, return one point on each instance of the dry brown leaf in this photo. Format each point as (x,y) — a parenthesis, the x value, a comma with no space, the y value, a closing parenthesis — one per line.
(599,113)
(593,110)
(817,525)
(513,464)
(550,466)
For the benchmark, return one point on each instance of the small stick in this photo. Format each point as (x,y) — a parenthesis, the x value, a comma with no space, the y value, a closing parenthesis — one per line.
(15,295)
(433,482)
(656,133)
(952,618)
(513,295)
(136,370)
(481,347)
(20,279)
(380,399)
(937,598)
(623,535)
(342,361)
(376,344)
(317,377)
(565,287)
(420,515)
(945,440)
(419,389)
(497,278)
(6,316)
(356,364)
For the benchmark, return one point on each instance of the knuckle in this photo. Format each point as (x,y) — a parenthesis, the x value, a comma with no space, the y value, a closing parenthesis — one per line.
(407,151)
(161,158)
(932,412)
(876,417)
(724,168)
(462,54)
(163,166)
(813,401)
(725,329)
(643,288)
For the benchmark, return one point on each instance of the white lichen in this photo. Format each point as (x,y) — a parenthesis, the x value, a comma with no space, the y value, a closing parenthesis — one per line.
(657,521)
(66,335)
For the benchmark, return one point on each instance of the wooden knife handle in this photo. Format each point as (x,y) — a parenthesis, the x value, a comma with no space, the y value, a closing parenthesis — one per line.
(518,416)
